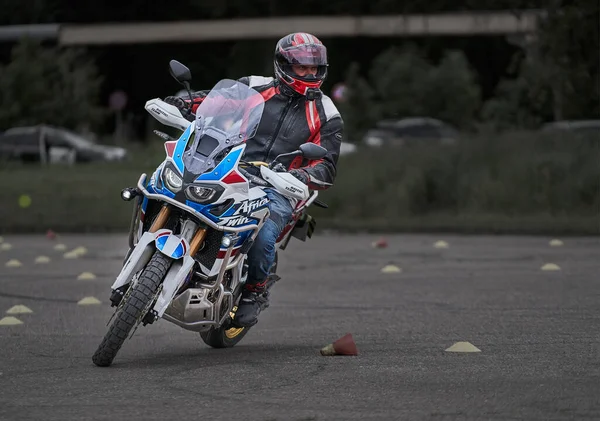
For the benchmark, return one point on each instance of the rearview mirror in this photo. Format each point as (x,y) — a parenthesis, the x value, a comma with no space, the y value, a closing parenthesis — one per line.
(180,72)
(312,151)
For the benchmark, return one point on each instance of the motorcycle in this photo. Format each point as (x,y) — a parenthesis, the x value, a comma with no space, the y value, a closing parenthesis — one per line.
(195,219)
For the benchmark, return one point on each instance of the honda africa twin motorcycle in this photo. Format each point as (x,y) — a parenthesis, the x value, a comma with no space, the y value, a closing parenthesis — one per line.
(196,218)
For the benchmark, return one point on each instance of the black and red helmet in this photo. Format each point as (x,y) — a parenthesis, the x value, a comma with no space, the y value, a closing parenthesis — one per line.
(304,49)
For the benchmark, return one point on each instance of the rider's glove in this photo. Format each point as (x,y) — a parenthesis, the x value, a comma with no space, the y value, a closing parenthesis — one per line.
(176,101)
(300,175)
(181,105)
(278,167)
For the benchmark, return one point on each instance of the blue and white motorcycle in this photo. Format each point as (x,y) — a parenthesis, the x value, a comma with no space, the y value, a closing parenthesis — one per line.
(196,218)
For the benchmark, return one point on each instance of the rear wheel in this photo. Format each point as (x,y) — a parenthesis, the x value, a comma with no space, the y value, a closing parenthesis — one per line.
(227,336)
(135,305)
(224,337)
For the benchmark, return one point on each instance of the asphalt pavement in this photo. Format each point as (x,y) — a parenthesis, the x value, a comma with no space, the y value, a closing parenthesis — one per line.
(537,332)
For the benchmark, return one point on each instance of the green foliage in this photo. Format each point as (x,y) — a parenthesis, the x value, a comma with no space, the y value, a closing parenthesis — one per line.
(555,76)
(569,48)
(558,75)
(357,110)
(451,92)
(398,78)
(515,176)
(523,102)
(49,86)
(402,83)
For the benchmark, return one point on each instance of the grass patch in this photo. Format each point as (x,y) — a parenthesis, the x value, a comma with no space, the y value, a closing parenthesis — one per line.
(514,183)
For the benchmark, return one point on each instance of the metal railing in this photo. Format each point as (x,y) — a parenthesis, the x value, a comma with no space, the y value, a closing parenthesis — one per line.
(446,24)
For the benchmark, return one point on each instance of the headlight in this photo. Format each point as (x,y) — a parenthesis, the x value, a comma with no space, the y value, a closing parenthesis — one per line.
(200,194)
(172,180)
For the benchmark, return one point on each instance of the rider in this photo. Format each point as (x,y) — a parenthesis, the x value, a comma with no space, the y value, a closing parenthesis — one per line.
(295,112)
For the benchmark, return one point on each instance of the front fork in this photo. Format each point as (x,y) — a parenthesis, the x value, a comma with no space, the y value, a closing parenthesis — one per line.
(141,252)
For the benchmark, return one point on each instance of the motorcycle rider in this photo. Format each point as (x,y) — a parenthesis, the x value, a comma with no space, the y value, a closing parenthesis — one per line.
(295,112)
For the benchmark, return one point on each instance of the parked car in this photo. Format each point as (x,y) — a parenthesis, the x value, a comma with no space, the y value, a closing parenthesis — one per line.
(49,144)
(584,127)
(399,132)
(347,148)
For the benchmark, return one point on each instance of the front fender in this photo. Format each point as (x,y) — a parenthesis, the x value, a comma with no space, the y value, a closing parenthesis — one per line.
(171,245)
(174,280)
(163,240)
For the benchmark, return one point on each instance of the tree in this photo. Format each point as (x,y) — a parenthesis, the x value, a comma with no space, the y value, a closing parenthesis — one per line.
(557,74)
(523,102)
(451,92)
(49,86)
(357,107)
(402,83)
(398,77)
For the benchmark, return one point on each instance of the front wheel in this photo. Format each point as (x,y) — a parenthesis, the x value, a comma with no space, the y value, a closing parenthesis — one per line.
(134,307)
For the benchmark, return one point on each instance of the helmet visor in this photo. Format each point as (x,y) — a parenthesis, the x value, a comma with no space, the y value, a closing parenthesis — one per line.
(306,55)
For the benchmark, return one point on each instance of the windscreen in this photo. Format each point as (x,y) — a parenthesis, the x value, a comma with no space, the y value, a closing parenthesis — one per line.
(228,116)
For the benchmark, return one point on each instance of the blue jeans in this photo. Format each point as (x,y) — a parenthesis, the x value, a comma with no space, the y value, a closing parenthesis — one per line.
(262,253)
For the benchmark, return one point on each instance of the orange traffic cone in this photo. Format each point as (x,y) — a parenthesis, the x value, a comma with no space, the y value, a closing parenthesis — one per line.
(343,346)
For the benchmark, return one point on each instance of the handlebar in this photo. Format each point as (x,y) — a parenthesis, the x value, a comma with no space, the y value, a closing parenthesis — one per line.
(188,115)
(259,181)
(253,179)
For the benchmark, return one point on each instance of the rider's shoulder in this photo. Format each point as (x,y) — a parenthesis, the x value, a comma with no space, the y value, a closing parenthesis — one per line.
(256,81)
(329,108)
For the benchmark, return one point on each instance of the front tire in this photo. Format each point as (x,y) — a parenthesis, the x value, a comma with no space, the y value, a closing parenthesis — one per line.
(132,310)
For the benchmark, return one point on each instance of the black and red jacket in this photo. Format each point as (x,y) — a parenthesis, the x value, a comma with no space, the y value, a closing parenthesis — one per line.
(288,122)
